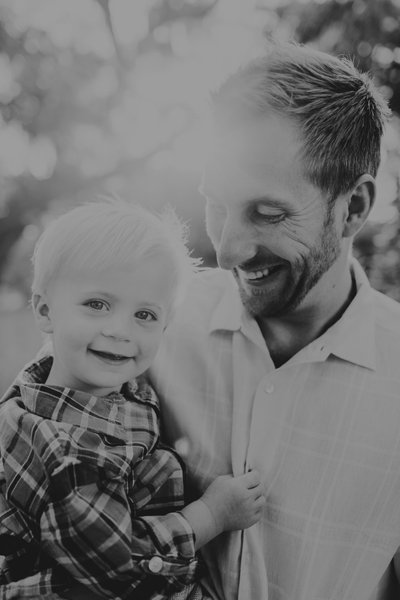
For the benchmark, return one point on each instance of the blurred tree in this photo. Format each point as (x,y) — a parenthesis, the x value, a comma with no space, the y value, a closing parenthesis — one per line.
(366,30)
(106,96)
(109,96)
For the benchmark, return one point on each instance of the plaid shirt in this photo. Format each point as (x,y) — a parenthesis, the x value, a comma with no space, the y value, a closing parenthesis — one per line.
(88,495)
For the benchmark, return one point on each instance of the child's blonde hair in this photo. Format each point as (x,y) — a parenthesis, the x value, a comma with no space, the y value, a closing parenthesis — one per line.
(108,233)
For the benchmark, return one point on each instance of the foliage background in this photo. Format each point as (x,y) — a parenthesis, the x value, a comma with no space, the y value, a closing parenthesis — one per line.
(110,96)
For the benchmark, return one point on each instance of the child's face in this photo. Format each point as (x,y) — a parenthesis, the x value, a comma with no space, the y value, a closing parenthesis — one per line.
(106,326)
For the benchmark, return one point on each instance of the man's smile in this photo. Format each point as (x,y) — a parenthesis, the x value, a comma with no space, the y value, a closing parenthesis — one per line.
(256,276)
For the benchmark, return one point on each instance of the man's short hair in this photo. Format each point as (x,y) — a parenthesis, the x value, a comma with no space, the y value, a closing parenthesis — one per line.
(110,233)
(338,110)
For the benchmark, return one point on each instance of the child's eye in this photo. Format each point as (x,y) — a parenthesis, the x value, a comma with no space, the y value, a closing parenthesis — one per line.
(145,315)
(98,305)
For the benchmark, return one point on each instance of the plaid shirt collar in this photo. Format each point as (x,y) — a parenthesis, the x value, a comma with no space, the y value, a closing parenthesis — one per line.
(38,371)
(59,404)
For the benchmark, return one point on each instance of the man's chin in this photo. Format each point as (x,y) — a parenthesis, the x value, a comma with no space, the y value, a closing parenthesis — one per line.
(260,306)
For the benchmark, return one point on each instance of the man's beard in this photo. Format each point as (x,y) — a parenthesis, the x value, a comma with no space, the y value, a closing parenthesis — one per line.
(319,260)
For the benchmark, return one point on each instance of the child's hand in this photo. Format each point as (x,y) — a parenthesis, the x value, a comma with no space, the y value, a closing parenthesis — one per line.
(235,502)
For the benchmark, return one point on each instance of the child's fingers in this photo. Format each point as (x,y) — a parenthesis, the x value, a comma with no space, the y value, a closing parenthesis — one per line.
(257,493)
(259,503)
(251,479)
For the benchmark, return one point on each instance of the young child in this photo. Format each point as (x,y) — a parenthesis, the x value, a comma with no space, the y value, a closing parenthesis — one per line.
(91,503)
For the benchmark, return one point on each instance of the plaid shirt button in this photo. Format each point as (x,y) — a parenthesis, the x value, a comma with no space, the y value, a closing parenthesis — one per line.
(155,564)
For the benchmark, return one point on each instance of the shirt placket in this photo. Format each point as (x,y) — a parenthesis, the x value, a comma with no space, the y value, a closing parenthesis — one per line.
(246,373)
(269,412)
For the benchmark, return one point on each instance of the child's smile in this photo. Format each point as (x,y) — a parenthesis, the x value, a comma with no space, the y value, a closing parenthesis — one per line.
(110,357)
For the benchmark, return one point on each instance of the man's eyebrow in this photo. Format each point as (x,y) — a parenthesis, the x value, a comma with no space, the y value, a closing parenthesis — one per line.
(268,200)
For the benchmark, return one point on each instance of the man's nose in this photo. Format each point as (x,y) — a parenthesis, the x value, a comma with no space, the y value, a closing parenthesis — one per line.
(236,246)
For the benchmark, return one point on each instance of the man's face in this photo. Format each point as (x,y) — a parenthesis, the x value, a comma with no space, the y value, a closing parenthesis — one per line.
(267,222)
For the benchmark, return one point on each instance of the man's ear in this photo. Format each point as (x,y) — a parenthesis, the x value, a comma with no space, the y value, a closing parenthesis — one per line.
(41,311)
(359,204)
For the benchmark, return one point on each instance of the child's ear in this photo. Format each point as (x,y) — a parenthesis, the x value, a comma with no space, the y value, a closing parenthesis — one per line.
(41,311)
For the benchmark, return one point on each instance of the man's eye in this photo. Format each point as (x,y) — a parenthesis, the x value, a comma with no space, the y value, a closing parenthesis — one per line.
(98,305)
(272,216)
(146,315)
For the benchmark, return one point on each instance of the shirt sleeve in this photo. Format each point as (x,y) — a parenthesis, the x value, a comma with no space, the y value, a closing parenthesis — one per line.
(92,521)
(92,532)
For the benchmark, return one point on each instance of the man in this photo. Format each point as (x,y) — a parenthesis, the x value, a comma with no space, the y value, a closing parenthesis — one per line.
(285,360)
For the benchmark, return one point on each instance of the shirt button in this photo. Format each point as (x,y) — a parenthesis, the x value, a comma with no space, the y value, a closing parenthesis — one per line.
(155,564)
(269,388)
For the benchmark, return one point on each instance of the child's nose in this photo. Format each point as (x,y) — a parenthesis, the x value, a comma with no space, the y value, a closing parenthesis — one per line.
(119,327)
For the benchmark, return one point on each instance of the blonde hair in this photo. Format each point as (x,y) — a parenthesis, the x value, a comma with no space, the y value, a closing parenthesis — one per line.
(340,113)
(108,233)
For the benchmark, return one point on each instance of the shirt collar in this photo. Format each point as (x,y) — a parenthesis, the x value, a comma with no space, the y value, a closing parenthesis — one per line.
(64,404)
(229,311)
(352,338)
(35,372)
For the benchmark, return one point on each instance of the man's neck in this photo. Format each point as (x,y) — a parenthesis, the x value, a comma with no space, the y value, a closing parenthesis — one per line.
(288,334)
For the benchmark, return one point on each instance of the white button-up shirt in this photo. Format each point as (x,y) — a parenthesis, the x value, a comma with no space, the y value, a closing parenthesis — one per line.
(323,430)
